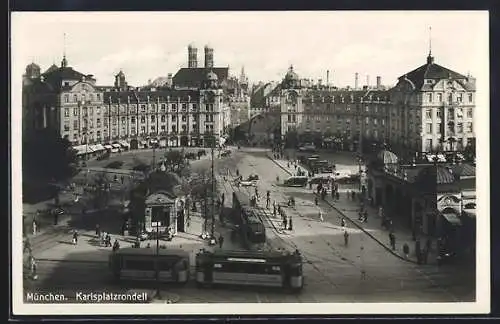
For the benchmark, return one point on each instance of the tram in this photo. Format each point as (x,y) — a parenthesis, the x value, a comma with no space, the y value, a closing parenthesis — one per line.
(250,268)
(247,219)
(144,264)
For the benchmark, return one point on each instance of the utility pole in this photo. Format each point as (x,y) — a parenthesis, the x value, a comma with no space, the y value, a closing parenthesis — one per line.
(212,230)
(158,296)
(154,156)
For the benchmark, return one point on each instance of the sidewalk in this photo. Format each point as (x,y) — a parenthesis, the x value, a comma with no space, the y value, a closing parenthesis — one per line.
(373,228)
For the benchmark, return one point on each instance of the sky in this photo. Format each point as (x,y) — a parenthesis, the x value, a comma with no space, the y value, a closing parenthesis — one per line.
(147,45)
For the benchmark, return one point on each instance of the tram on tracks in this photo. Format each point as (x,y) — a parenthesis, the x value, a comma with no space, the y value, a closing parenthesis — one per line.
(250,225)
(145,264)
(280,269)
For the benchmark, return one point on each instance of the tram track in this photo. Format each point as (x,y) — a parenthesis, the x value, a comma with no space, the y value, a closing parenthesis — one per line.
(278,234)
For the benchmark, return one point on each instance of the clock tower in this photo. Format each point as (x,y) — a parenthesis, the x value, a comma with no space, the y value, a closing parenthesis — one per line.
(291,103)
(211,117)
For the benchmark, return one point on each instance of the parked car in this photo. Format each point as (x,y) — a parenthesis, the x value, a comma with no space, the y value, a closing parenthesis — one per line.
(253,177)
(225,153)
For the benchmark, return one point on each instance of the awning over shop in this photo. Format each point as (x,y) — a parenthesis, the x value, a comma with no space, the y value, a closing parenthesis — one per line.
(83,149)
(124,144)
(108,147)
(116,145)
(98,147)
(452,219)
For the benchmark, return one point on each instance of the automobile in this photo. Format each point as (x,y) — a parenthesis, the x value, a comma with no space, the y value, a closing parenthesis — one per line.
(248,183)
(320,179)
(225,153)
(253,177)
(307,148)
(342,174)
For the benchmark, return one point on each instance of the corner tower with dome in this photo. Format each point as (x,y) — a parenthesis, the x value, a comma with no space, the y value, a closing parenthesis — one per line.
(211,108)
(291,109)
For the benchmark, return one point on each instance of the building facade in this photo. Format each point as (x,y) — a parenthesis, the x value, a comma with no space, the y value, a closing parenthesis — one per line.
(433,109)
(430,109)
(318,113)
(81,111)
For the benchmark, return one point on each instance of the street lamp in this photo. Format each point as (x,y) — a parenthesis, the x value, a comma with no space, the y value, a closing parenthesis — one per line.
(158,260)
(212,230)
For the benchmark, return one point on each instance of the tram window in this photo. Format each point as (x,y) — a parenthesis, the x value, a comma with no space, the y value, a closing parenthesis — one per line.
(139,265)
(296,270)
(165,265)
(247,268)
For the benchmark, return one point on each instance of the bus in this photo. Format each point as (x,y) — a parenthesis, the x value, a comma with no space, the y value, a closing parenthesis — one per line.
(250,268)
(144,264)
(296,181)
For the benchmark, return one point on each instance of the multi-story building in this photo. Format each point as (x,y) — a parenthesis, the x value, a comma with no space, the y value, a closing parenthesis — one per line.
(431,108)
(82,112)
(326,114)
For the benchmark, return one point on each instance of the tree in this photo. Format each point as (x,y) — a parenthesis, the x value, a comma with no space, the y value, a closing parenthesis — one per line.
(102,190)
(175,161)
(47,157)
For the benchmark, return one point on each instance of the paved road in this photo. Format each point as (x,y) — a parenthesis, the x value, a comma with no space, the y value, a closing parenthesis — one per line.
(333,272)
(337,269)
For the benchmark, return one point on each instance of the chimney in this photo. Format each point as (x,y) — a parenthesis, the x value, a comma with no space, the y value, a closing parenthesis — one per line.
(327,78)
(379,82)
(356,77)
(368,81)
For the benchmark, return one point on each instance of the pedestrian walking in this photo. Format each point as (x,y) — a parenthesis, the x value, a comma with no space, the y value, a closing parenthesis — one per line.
(284,222)
(425,254)
(274,210)
(346,238)
(221,241)
(290,224)
(417,247)
(320,214)
(56,217)
(342,222)
(223,199)
(406,250)
(268,202)
(316,200)
(34,227)
(365,216)
(108,240)
(392,240)
(33,266)
(116,245)
(337,195)
(97,230)
(75,237)
(428,244)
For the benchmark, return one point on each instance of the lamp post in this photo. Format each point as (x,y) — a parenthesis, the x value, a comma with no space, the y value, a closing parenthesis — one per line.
(212,230)
(158,260)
